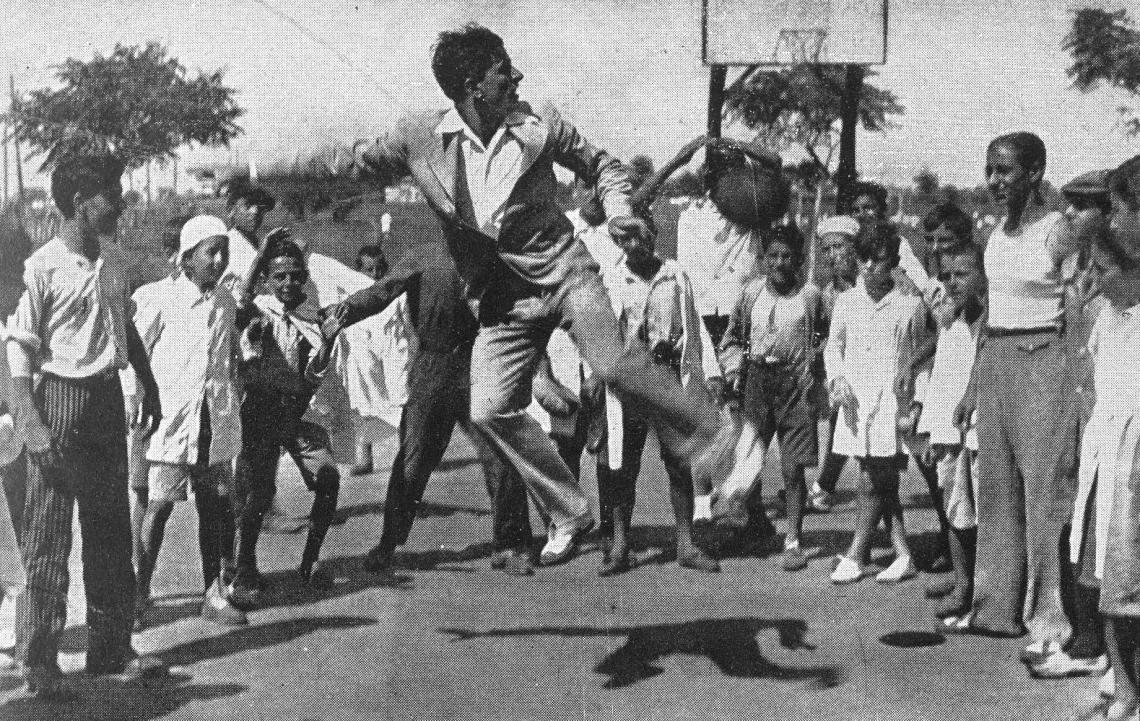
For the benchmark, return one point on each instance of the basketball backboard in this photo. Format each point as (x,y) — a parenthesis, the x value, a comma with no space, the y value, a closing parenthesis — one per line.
(787,32)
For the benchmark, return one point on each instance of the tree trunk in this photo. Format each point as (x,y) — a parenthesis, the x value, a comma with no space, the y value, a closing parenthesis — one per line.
(846,174)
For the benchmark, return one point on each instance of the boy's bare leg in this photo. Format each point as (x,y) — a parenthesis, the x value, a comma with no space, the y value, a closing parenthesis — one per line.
(869,510)
(152,530)
(1124,657)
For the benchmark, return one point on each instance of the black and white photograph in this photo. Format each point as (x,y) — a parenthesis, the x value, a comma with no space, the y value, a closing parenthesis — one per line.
(597,359)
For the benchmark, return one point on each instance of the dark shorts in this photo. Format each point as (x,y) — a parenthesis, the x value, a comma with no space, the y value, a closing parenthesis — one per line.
(777,404)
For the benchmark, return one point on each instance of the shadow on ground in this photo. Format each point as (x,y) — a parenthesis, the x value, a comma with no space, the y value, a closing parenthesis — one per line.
(111,700)
(729,643)
(427,509)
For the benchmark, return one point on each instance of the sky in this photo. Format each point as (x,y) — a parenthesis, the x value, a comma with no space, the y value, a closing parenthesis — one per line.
(628,73)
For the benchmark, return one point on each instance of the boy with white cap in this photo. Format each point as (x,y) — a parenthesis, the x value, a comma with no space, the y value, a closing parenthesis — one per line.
(188,334)
(837,238)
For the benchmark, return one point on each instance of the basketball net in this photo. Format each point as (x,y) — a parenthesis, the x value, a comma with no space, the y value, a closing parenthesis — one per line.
(799,46)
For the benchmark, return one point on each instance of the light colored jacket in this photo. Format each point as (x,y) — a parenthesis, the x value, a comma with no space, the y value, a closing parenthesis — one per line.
(535,241)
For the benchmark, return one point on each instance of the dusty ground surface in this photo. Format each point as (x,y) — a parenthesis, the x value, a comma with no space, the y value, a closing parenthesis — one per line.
(458,639)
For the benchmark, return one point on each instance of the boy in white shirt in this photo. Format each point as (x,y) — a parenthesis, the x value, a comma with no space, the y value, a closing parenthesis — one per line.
(875,331)
(143,297)
(188,333)
(962,273)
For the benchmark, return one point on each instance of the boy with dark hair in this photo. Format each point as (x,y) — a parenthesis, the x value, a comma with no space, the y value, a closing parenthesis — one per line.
(875,331)
(771,353)
(246,208)
(287,360)
(188,333)
(653,300)
(963,275)
(71,324)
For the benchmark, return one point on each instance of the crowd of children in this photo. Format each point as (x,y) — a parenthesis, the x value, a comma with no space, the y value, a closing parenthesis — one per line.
(1003,365)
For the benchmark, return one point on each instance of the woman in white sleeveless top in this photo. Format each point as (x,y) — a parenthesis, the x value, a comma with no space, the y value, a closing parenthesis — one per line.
(1027,437)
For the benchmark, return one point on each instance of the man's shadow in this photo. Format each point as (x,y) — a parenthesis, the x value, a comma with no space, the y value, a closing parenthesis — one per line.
(158,696)
(729,643)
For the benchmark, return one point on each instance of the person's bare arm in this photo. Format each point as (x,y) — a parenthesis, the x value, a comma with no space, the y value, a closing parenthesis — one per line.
(645,195)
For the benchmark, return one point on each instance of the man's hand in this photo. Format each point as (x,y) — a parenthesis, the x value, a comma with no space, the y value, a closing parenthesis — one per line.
(281,233)
(149,413)
(627,226)
(332,322)
(38,440)
(841,394)
(964,413)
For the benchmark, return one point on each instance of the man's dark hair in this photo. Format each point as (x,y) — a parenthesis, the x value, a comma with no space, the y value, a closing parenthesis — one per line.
(87,176)
(953,217)
(171,234)
(251,194)
(462,54)
(874,191)
(877,240)
(789,235)
(968,248)
(1027,146)
(373,251)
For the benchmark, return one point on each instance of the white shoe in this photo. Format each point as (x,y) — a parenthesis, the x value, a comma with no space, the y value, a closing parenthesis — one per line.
(846,571)
(901,569)
(1107,686)
(561,541)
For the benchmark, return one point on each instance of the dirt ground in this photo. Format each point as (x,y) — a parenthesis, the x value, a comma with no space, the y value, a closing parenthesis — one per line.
(457,639)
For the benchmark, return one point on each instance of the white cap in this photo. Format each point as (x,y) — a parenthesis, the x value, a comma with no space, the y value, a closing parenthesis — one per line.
(842,224)
(197,229)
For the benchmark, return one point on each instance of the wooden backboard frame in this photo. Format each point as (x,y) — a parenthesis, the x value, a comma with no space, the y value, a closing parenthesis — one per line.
(787,32)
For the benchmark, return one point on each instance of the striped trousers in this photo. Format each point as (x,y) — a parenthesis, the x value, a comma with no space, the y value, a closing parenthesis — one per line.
(85,417)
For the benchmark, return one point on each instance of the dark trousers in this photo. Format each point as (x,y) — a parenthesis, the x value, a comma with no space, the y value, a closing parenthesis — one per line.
(14,478)
(438,400)
(271,422)
(85,418)
(617,489)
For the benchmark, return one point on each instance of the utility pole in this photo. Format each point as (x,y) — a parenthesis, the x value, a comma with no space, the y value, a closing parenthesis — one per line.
(5,138)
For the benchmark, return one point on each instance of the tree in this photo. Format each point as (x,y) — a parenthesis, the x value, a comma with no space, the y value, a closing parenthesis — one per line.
(136,103)
(1105,47)
(800,106)
(926,182)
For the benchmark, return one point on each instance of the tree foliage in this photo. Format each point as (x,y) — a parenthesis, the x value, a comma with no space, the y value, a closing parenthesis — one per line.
(137,103)
(800,106)
(1105,47)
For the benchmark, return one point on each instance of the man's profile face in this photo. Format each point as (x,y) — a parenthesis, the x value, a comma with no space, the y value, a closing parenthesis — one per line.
(498,91)
(102,210)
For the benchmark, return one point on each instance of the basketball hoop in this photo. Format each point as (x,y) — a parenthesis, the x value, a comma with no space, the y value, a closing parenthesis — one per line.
(797,46)
(793,32)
